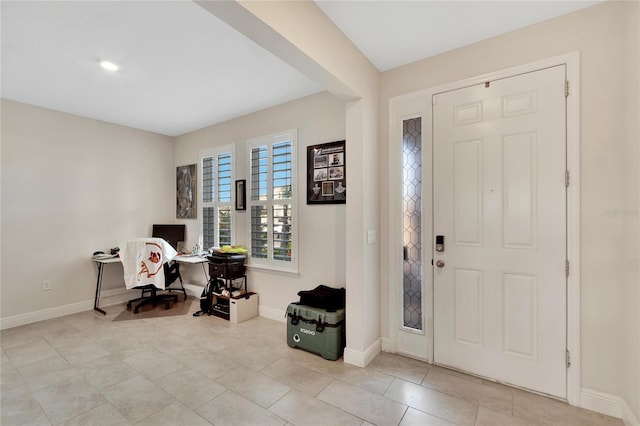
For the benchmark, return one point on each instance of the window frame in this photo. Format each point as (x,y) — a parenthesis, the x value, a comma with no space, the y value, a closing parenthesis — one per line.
(270,263)
(216,152)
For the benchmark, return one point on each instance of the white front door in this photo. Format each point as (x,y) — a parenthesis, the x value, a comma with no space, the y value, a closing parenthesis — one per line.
(499,200)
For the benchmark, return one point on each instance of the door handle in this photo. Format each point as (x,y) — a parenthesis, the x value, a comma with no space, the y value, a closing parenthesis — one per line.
(439,263)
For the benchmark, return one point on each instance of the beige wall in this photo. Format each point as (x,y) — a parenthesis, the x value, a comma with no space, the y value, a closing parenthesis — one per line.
(632,363)
(66,215)
(607,37)
(319,119)
(300,34)
(71,186)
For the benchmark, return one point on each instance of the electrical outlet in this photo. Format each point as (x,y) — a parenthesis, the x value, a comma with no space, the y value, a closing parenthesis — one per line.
(372,237)
(46,285)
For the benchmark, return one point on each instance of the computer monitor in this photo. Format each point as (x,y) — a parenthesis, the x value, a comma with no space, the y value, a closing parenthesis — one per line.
(173,234)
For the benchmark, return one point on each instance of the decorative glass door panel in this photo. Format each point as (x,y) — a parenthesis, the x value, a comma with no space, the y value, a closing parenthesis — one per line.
(412,221)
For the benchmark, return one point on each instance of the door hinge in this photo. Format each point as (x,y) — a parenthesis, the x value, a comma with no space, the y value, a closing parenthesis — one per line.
(566,178)
(568,358)
(566,268)
(566,89)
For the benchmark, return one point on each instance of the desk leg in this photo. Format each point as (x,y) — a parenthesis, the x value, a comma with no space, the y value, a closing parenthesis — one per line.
(100,266)
(206,277)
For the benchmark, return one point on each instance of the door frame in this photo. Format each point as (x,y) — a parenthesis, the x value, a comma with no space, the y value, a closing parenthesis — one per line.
(421,341)
(419,104)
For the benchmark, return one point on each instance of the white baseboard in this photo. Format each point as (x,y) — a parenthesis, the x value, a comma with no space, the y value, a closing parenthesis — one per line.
(628,417)
(607,404)
(601,402)
(107,298)
(388,346)
(272,314)
(115,296)
(362,358)
(193,289)
(45,314)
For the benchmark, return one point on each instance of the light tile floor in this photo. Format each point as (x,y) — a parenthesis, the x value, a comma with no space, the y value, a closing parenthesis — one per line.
(86,369)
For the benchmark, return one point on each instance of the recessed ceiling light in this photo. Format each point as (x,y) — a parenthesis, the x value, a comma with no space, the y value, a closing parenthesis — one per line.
(109,66)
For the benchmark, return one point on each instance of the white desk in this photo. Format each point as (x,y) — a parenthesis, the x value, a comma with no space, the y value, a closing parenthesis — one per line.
(194,260)
(100,262)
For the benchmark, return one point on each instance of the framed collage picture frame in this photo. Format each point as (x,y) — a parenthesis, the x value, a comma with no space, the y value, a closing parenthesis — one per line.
(326,173)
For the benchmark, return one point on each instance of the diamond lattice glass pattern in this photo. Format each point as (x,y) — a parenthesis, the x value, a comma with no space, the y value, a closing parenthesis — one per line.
(412,232)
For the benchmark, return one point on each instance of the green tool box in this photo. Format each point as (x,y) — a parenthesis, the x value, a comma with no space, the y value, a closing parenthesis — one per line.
(316,330)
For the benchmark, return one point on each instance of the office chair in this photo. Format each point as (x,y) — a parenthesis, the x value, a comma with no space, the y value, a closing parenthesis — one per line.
(174,235)
(145,261)
(172,274)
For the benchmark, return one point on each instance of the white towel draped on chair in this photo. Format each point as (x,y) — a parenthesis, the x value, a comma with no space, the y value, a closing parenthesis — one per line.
(142,261)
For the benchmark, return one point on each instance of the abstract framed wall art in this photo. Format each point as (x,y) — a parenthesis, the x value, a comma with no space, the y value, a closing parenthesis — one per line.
(186,179)
(326,173)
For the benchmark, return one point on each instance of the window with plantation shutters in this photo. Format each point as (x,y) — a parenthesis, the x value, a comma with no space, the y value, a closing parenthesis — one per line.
(217,173)
(272,200)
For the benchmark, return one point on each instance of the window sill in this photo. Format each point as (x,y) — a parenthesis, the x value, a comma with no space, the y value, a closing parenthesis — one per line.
(275,271)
